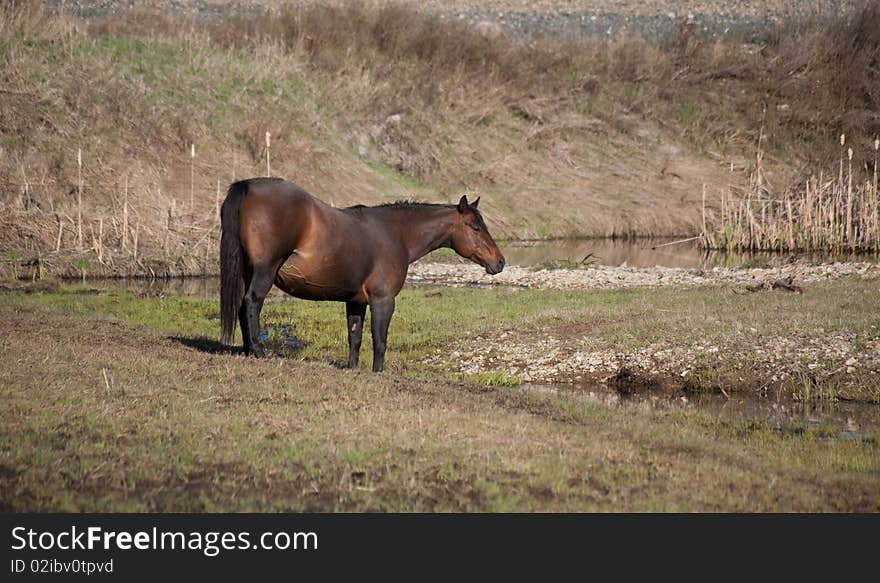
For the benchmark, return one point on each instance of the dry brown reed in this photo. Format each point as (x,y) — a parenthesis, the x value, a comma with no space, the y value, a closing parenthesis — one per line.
(830,212)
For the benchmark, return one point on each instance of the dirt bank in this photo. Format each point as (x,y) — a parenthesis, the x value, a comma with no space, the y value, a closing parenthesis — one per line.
(563,136)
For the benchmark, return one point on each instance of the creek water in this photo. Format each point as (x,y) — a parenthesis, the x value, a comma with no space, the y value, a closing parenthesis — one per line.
(835,419)
(650,253)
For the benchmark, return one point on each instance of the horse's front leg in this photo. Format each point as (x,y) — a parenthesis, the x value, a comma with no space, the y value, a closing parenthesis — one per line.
(381,310)
(355,313)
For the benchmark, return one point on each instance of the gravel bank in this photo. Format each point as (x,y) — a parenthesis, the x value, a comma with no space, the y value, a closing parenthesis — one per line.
(750,359)
(654,19)
(604,277)
(771,361)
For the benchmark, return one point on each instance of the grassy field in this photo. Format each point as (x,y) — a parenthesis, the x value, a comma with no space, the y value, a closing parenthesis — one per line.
(119,401)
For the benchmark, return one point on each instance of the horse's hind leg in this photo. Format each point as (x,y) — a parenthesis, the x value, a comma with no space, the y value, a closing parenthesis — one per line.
(242,312)
(249,315)
(243,322)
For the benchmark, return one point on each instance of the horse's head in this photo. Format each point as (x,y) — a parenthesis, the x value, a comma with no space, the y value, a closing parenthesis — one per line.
(471,239)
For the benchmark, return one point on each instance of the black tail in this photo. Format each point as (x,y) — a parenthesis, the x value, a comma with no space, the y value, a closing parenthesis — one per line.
(231,258)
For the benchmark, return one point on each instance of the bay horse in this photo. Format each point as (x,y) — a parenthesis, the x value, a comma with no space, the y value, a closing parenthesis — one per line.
(273,231)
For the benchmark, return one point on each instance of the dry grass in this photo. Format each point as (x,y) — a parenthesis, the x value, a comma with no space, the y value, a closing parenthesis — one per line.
(819,66)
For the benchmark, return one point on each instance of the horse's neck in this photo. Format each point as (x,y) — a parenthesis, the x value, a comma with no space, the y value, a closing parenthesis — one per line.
(423,230)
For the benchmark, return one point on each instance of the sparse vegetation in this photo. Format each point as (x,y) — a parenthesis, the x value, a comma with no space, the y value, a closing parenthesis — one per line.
(495,378)
(584,263)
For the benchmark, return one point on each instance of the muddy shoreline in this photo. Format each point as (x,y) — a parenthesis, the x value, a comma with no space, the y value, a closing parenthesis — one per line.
(768,365)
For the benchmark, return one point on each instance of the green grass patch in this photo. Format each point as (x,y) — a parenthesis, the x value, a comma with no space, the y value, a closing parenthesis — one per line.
(495,379)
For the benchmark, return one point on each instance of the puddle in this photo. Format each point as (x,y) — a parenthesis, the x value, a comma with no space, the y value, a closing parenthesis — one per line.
(275,337)
(840,419)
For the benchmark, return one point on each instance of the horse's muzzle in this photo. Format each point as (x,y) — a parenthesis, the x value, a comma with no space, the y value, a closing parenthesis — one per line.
(495,267)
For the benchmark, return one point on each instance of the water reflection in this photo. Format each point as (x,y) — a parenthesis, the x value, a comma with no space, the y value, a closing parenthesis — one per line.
(194,287)
(650,253)
(840,419)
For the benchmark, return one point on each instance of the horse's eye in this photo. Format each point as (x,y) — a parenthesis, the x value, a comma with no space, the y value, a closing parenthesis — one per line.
(474,227)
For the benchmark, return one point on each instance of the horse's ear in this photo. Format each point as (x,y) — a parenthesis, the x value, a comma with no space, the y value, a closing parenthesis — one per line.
(463,204)
(476,202)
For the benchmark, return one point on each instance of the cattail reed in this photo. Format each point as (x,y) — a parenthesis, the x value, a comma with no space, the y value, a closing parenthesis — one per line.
(25,191)
(192,177)
(60,233)
(835,213)
(849,201)
(79,189)
(125,213)
(167,232)
(704,211)
(135,237)
(99,242)
(268,143)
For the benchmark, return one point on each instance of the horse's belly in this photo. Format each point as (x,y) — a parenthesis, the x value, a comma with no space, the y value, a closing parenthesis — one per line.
(301,280)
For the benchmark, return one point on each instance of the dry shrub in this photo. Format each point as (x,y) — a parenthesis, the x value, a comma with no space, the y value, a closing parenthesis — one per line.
(141,23)
(338,38)
(827,70)
(633,60)
(31,21)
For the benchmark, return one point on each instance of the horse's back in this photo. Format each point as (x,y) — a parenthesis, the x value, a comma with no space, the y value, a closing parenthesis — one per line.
(276,191)
(274,217)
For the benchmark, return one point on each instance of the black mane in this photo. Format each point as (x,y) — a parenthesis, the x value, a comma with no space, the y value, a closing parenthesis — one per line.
(398,204)
(401,204)
(413,205)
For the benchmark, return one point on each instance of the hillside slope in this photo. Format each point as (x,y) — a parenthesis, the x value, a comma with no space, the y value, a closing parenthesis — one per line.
(364,105)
